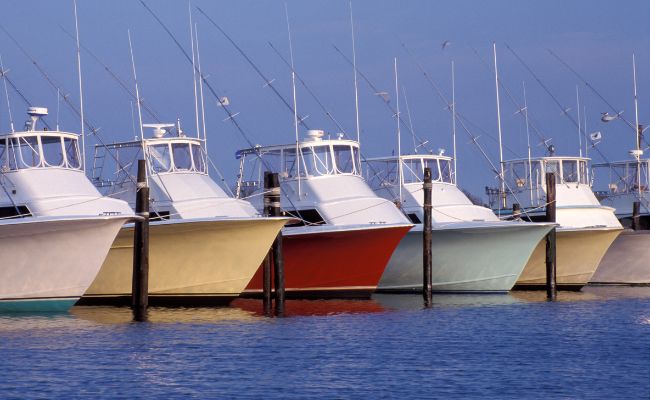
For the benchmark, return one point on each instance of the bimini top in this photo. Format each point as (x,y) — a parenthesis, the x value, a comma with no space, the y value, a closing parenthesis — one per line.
(317,156)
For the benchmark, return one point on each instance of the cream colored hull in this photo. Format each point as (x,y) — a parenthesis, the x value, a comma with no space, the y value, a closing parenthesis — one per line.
(578,254)
(190,261)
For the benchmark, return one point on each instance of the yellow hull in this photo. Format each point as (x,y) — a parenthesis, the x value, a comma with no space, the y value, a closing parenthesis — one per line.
(578,254)
(190,262)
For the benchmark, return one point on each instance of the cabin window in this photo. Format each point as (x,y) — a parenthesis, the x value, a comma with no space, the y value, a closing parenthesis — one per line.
(52,150)
(570,171)
(317,160)
(344,159)
(182,156)
(553,166)
(584,175)
(198,158)
(414,218)
(412,170)
(445,170)
(3,154)
(289,169)
(23,152)
(307,217)
(14,212)
(160,158)
(72,152)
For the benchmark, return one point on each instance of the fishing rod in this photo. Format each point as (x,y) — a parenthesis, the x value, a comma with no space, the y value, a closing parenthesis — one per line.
(267,82)
(543,140)
(600,153)
(115,77)
(593,89)
(380,94)
(311,93)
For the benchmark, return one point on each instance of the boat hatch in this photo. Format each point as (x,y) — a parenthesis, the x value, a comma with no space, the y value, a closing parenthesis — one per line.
(14,212)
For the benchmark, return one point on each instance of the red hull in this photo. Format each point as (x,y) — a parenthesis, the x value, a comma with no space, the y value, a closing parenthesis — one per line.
(335,264)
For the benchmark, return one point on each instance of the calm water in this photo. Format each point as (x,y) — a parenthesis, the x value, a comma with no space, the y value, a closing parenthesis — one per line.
(594,344)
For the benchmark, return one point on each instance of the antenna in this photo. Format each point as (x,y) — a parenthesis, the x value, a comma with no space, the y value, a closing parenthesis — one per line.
(638,153)
(135,135)
(530,165)
(399,134)
(584,126)
(453,115)
(579,120)
(137,91)
(81,93)
(354,67)
(295,105)
(58,106)
(198,61)
(4,79)
(502,203)
(410,121)
(196,100)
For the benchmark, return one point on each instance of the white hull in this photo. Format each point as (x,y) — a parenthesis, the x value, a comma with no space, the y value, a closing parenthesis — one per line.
(48,263)
(626,262)
(467,257)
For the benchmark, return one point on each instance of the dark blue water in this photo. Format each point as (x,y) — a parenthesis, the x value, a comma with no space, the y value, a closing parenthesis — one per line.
(594,344)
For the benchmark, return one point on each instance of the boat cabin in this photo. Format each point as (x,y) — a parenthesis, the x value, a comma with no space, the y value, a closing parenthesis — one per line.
(177,174)
(43,174)
(320,178)
(619,184)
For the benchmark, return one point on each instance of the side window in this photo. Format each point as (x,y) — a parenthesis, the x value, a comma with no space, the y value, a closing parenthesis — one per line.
(72,152)
(160,158)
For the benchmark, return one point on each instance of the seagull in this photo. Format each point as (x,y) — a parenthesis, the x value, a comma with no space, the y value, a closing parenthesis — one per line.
(383,95)
(606,117)
(445,44)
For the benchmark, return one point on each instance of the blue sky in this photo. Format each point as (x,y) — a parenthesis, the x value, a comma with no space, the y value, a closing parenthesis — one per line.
(596,37)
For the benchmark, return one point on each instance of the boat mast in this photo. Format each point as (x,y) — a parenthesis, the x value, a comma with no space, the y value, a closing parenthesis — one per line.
(530,164)
(201,99)
(354,67)
(453,114)
(137,92)
(502,202)
(579,122)
(196,100)
(295,105)
(399,135)
(4,80)
(637,154)
(81,95)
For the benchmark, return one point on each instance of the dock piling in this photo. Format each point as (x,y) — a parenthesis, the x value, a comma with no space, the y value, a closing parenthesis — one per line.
(140,283)
(516,211)
(426,245)
(278,257)
(266,268)
(551,249)
(636,217)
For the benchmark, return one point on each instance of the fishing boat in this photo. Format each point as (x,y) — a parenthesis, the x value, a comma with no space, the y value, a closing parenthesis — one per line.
(472,250)
(55,227)
(626,262)
(346,233)
(205,246)
(585,231)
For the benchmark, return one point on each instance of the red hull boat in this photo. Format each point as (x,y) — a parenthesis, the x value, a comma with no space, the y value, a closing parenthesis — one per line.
(334,262)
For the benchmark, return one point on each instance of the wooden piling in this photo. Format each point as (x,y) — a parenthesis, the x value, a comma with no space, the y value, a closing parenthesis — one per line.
(636,215)
(426,241)
(278,257)
(516,211)
(551,249)
(266,268)
(140,282)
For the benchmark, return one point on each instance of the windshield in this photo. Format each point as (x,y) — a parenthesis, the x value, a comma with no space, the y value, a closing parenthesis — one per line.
(344,159)
(72,152)
(412,170)
(318,160)
(159,157)
(52,150)
(182,157)
(199,158)
(23,152)
(570,171)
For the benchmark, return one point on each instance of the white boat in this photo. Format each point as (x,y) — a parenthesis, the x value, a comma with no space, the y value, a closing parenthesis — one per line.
(472,250)
(346,234)
(626,262)
(205,246)
(586,228)
(56,228)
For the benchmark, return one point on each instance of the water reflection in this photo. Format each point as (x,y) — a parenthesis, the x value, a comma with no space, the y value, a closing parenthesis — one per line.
(301,308)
